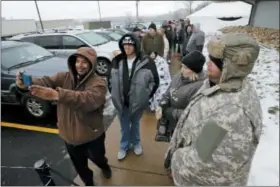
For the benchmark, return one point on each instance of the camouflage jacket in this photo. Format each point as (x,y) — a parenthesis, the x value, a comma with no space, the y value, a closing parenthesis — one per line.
(216,136)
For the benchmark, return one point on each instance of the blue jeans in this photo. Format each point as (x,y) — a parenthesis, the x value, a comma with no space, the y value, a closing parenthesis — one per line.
(130,129)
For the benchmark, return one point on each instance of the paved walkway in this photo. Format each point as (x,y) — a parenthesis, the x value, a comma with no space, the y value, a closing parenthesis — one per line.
(145,170)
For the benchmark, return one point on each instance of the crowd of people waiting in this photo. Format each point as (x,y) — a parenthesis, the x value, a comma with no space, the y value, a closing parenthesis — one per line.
(215,116)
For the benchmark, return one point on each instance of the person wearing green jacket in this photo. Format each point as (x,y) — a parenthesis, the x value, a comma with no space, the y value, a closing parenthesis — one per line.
(152,42)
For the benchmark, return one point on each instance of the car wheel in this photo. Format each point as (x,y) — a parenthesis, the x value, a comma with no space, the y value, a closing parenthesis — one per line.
(36,107)
(103,67)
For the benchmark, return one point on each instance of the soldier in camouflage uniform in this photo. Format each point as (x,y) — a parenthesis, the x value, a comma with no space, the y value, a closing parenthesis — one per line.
(217,135)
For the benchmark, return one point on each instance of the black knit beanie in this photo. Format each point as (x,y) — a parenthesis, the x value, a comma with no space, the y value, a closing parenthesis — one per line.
(153,26)
(218,62)
(194,61)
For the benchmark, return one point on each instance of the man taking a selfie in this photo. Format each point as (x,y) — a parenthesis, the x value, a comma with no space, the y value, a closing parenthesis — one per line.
(80,95)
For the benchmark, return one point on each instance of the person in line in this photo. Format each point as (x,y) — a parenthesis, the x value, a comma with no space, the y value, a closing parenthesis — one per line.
(188,34)
(161,31)
(80,95)
(164,79)
(174,38)
(216,137)
(169,36)
(134,80)
(197,39)
(183,86)
(137,33)
(181,37)
(153,41)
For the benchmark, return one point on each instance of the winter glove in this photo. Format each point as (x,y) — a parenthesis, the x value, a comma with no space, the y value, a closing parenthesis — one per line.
(44,92)
(158,113)
(167,113)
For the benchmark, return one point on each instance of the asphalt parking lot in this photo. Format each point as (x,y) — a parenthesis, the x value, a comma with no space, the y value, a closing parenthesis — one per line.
(20,149)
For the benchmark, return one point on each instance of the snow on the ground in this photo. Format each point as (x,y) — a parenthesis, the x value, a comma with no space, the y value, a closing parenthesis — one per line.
(265,78)
(208,16)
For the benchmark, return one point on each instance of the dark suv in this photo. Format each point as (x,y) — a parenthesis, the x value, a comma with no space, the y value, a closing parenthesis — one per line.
(35,61)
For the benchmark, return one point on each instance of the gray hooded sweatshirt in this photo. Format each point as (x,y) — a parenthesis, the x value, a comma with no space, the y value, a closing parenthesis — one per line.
(196,41)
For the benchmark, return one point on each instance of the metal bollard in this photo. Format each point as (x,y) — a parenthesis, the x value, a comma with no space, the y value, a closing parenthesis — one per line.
(43,170)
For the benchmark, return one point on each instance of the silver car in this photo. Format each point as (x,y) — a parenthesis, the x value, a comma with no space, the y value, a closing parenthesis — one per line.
(64,43)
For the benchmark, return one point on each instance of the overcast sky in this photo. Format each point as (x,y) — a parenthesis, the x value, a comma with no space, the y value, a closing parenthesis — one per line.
(84,9)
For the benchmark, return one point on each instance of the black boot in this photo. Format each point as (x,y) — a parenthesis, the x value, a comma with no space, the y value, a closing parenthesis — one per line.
(107,173)
(91,183)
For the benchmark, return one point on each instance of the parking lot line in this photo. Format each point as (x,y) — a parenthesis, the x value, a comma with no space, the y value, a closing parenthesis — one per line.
(29,127)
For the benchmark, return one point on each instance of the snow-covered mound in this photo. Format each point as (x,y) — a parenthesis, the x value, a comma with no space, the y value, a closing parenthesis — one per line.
(265,78)
(268,36)
(211,24)
(208,16)
(224,9)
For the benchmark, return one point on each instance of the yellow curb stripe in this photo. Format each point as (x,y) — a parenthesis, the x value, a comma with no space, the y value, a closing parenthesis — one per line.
(29,127)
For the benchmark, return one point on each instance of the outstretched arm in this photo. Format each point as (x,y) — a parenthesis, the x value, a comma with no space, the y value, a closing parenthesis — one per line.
(50,81)
(90,99)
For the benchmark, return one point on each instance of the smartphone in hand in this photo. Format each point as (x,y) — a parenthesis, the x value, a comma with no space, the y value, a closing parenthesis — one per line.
(26,79)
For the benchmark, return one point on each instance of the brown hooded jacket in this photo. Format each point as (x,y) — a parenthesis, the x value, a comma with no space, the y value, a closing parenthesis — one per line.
(80,105)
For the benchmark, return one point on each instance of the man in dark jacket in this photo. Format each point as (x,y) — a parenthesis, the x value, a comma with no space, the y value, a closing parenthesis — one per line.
(181,37)
(188,34)
(134,80)
(137,33)
(80,95)
(153,42)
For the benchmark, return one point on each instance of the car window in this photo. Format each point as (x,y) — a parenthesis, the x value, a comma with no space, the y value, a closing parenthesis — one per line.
(49,42)
(23,53)
(28,39)
(105,35)
(116,36)
(71,42)
(93,38)
(141,26)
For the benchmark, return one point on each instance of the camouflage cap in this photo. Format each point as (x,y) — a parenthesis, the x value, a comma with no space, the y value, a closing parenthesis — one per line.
(238,52)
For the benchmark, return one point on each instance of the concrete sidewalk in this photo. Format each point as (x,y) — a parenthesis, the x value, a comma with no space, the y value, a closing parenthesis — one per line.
(144,170)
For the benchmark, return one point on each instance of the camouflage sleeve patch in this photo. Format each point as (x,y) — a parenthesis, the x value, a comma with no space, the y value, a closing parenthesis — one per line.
(209,139)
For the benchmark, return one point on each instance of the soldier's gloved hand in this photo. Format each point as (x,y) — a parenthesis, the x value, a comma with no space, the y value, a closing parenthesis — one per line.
(167,113)
(163,104)
(19,81)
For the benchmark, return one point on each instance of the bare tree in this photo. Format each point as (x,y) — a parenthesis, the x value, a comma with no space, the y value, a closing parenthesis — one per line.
(189,7)
(176,15)
(129,18)
(201,6)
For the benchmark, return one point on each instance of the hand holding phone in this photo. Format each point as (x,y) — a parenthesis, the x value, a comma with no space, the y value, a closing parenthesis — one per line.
(23,81)
(26,79)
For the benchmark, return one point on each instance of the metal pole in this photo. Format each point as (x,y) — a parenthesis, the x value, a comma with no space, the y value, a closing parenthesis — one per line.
(99,11)
(38,12)
(137,11)
(43,171)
